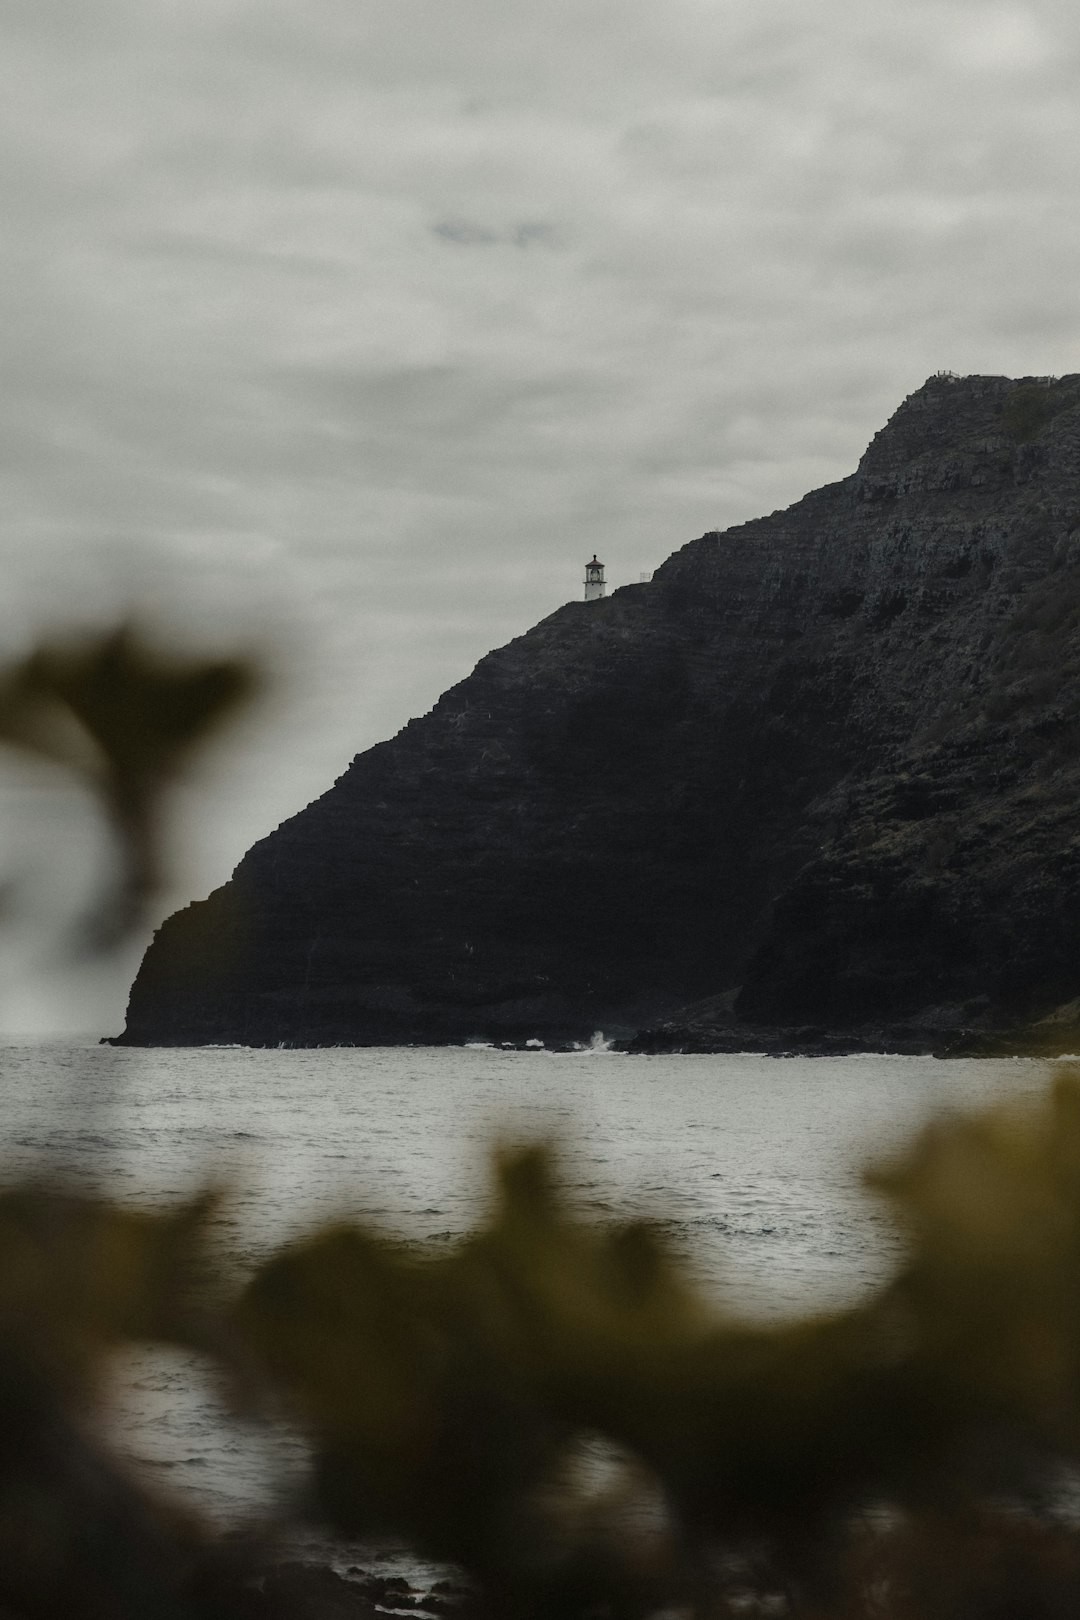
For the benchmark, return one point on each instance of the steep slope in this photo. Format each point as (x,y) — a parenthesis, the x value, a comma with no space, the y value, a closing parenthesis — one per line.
(828,756)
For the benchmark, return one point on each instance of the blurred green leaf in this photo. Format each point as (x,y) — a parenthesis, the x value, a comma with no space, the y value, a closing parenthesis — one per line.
(79,1274)
(125,719)
(444,1393)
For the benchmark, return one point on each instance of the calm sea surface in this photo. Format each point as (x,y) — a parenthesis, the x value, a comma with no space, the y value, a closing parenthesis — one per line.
(750,1163)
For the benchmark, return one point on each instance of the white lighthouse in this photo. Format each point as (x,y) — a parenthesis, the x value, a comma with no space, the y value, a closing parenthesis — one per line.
(594,580)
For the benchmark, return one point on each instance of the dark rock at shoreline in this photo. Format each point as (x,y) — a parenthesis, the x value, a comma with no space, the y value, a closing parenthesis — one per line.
(944,1032)
(831,756)
(815,1040)
(800,1040)
(306,1591)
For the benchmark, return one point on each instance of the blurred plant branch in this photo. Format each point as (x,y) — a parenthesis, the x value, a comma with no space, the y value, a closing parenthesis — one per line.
(125,719)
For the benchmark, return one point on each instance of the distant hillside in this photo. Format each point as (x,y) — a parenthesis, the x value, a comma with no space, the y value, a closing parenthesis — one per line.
(817,784)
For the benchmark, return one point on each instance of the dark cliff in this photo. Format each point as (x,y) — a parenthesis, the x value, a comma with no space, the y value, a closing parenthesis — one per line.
(830,757)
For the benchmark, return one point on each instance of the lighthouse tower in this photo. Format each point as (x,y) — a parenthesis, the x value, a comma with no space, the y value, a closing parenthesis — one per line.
(594,580)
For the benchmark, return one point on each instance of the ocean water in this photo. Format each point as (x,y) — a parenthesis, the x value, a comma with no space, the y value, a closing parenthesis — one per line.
(750,1164)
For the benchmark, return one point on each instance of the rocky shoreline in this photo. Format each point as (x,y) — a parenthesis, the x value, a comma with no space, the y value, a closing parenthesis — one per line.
(712,1026)
(693,1038)
(303,1590)
(814,1041)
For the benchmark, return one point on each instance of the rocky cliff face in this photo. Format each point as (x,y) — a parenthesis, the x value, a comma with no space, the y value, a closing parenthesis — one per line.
(822,771)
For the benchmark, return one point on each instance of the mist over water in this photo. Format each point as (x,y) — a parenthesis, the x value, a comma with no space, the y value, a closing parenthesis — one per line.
(750,1165)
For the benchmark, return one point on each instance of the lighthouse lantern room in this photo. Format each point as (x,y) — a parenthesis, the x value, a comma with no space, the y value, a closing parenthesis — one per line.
(594,580)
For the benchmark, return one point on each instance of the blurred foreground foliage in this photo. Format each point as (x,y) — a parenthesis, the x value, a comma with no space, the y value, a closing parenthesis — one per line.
(125,718)
(553,1405)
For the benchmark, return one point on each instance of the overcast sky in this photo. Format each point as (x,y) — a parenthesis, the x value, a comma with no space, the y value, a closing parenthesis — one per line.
(354,328)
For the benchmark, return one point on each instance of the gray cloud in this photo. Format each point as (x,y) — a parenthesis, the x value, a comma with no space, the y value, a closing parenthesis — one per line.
(466,233)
